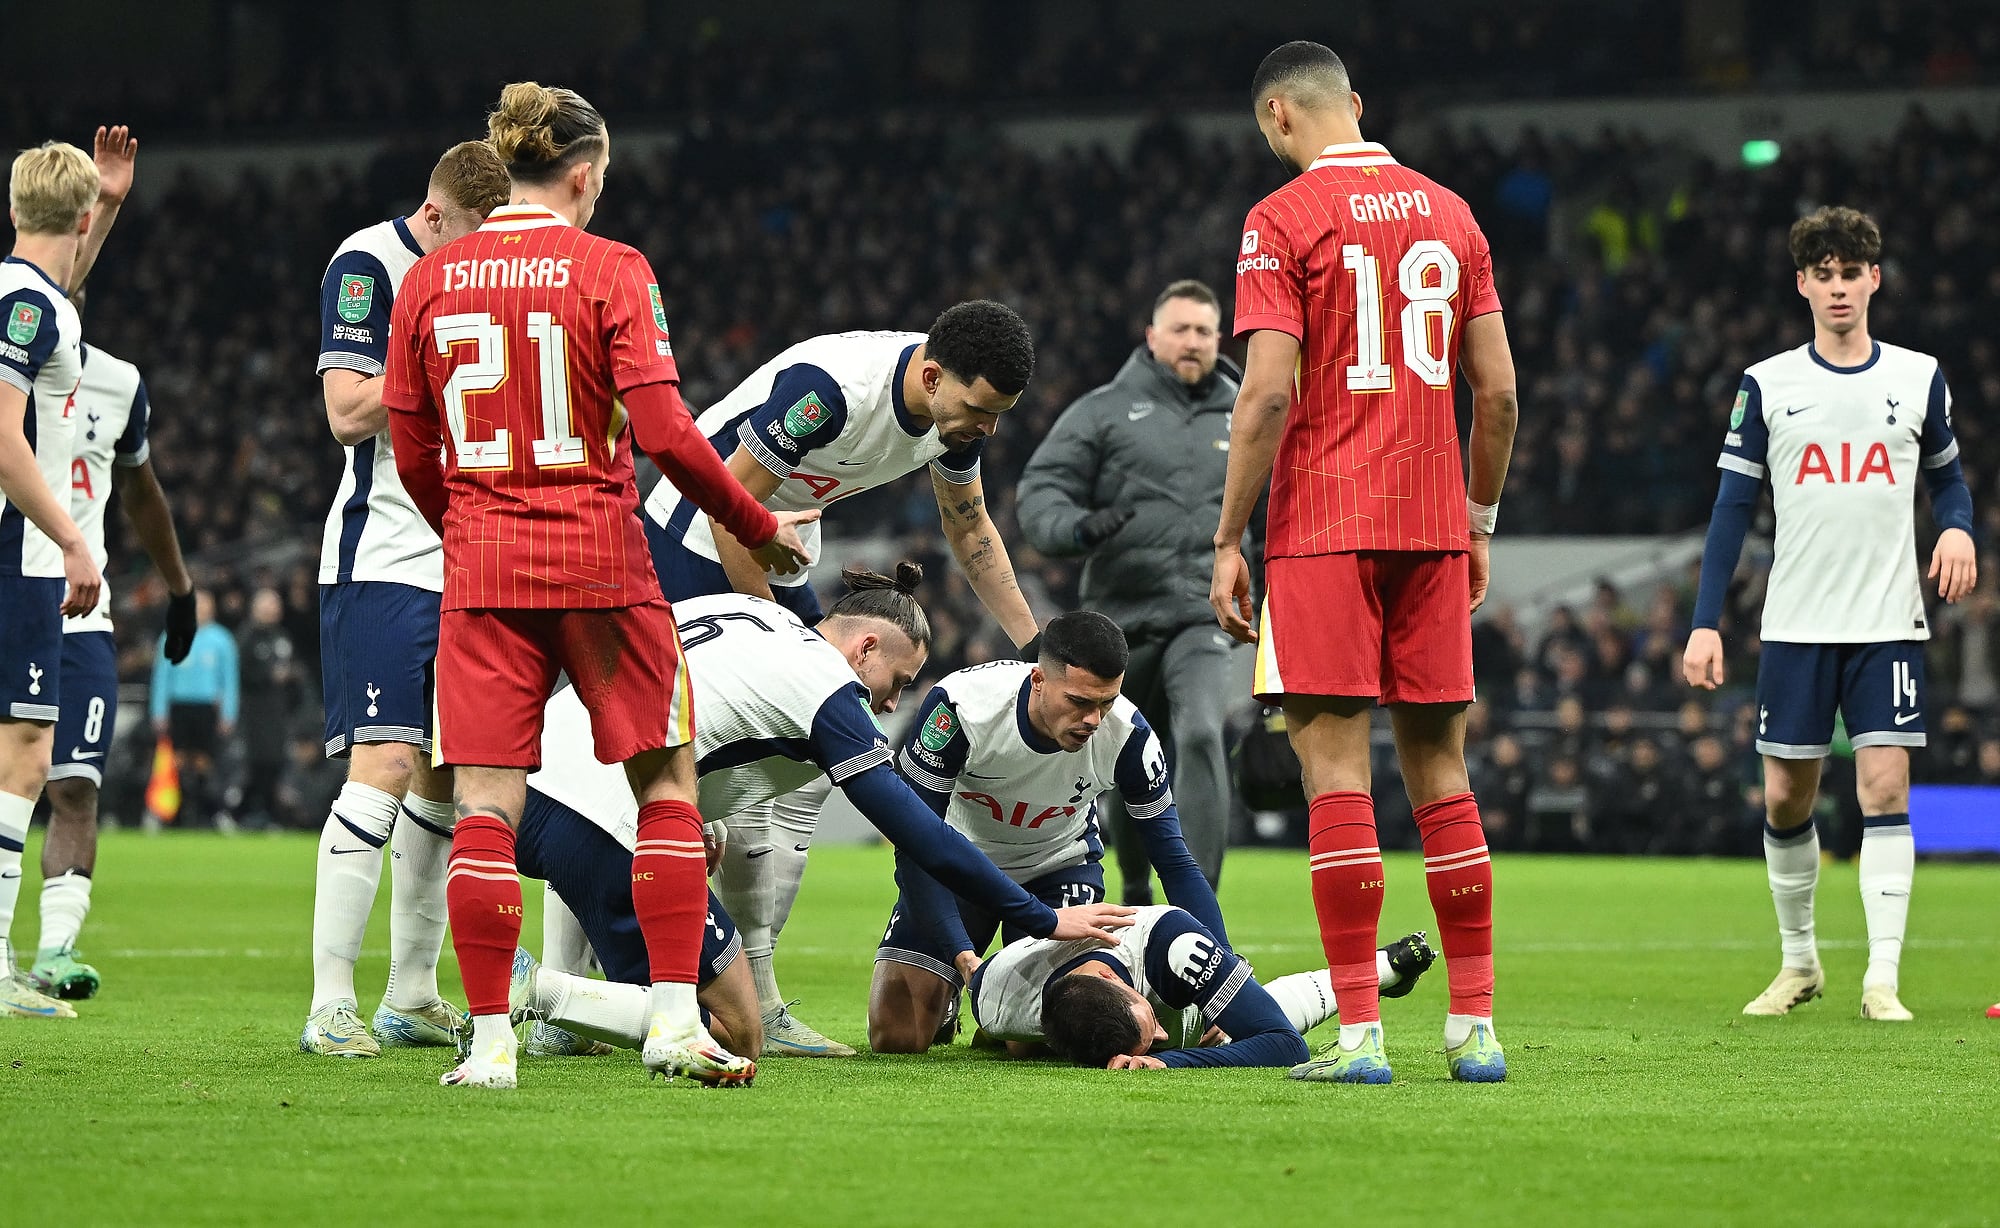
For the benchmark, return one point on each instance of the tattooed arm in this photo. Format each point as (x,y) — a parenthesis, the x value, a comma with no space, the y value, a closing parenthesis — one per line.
(980,552)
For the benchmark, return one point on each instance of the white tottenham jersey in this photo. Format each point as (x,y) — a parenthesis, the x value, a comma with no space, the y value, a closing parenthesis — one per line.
(1842,448)
(828,417)
(775,706)
(373,531)
(1027,804)
(40,354)
(1007,994)
(111,420)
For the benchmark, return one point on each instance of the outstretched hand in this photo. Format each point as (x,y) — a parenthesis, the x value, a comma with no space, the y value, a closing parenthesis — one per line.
(786,553)
(115,154)
(1091,921)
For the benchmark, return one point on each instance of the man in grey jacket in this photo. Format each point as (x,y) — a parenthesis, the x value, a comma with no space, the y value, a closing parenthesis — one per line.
(1131,476)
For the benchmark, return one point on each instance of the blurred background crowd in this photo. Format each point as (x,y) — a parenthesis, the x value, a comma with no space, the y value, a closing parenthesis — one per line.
(1639,280)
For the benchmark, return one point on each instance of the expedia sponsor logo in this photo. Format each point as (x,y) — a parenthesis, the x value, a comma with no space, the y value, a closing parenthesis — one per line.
(1266,263)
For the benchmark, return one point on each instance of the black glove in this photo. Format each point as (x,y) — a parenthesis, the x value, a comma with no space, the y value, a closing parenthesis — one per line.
(1093,530)
(180,626)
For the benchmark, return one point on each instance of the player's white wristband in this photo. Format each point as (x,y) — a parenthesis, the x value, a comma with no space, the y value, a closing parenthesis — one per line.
(1482,516)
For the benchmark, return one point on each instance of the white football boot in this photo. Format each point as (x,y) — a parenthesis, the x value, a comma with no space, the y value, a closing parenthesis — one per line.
(785,1036)
(1880,1002)
(694,1054)
(335,1030)
(1793,987)
(486,1065)
(20,999)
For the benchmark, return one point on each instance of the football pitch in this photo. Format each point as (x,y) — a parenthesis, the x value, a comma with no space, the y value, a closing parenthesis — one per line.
(1638,1094)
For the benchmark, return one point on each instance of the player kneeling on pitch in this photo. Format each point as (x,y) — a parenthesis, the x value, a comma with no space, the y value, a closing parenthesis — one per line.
(775,705)
(1013,755)
(1170,994)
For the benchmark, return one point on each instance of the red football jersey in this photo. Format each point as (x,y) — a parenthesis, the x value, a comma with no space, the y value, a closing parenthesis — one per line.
(1374,269)
(520,337)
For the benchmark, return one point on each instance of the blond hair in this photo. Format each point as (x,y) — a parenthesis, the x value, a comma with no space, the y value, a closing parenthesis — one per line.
(52,187)
(470,177)
(541,130)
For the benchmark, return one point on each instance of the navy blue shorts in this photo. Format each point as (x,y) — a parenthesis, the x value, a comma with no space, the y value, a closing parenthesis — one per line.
(592,873)
(1878,690)
(378,662)
(31,647)
(913,940)
(89,706)
(684,574)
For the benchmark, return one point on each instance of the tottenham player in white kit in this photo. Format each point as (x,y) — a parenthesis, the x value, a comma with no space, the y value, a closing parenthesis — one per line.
(110,420)
(1841,427)
(1014,755)
(381,581)
(776,705)
(827,419)
(61,204)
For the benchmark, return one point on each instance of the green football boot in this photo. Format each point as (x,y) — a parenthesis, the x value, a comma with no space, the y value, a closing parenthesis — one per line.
(61,973)
(1333,1064)
(1477,1059)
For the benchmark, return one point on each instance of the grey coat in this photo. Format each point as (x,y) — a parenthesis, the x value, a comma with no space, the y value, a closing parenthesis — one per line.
(1149,442)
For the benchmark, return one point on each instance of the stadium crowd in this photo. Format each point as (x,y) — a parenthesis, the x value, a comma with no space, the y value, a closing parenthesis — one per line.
(1639,281)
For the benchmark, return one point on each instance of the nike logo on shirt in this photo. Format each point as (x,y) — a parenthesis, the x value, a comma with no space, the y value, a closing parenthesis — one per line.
(1136,414)
(1801,409)
(1907,717)
(77,752)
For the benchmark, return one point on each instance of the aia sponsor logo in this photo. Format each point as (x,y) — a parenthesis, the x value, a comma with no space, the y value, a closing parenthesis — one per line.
(1817,464)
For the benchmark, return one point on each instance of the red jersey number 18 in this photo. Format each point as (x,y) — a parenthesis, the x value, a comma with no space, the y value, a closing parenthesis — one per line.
(1423,352)
(486,370)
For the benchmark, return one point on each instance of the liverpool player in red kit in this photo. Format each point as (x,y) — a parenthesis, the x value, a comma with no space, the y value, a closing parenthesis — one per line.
(510,352)
(1362,287)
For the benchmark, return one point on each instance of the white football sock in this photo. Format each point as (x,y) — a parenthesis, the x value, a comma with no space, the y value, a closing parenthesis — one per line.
(670,1006)
(794,819)
(747,885)
(1305,997)
(1791,861)
(1888,865)
(1354,1035)
(615,1013)
(350,868)
(16,813)
(492,1030)
(1458,1028)
(565,947)
(65,903)
(417,914)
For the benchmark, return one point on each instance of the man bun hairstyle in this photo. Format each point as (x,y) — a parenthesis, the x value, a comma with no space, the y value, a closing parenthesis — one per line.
(471,176)
(1307,72)
(1087,1020)
(892,600)
(52,186)
(1087,640)
(985,340)
(539,131)
(1847,235)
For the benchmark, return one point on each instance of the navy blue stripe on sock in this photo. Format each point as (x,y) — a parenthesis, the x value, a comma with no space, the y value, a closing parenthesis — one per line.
(372,841)
(442,833)
(1870,822)
(1790,835)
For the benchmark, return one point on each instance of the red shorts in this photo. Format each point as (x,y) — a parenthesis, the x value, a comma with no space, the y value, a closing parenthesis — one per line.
(1392,624)
(497,668)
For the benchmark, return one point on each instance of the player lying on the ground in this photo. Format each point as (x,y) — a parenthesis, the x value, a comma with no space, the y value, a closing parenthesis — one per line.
(1014,755)
(1169,994)
(776,705)
(826,419)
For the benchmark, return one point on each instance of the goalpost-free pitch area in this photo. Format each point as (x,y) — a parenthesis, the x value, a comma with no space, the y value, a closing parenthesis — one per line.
(1638,1094)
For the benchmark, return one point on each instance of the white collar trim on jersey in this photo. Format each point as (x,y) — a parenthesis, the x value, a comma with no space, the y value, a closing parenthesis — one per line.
(522,217)
(1355,153)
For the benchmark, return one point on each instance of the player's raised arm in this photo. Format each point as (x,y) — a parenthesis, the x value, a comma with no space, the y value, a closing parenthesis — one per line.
(1488,365)
(1744,450)
(1262,403)
(116,154)
(975,543)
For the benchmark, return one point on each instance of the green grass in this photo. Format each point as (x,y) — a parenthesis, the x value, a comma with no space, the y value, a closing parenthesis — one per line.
(1638,1094)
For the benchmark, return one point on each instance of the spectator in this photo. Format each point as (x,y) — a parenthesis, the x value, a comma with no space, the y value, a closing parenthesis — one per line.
(195,705)
(1559,807)
(1501,779)
(272,699)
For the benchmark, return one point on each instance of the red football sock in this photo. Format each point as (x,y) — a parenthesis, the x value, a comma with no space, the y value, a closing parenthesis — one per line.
(670,888)
(1459,872)
(1347,895)
(482,895)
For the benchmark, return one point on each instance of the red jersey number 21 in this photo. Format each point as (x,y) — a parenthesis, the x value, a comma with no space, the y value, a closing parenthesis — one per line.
(486,370)
(1428,278)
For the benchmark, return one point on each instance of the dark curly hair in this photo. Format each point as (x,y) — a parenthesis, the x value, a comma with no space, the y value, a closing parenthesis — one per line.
(1087,1020)
(893,601)
(1847,235)
(986,340)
